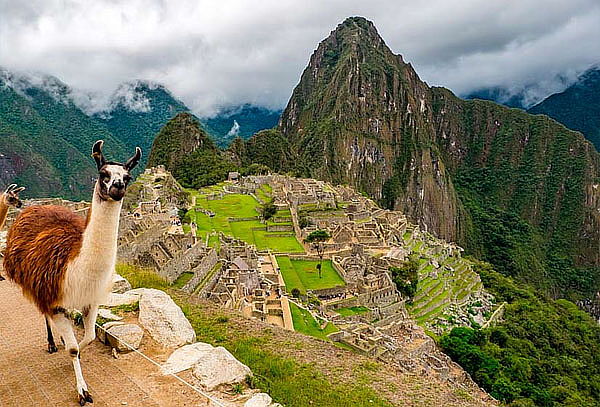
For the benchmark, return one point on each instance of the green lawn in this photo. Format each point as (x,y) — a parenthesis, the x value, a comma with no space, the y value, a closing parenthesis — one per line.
(306,324)
(250,231)
(302,274)
(183,279)
(348,311)
(264,192)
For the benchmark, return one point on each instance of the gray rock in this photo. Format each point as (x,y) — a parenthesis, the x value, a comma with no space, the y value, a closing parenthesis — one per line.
(116,299)
(185,357)
(101,332)
(164,320)
(259,400)
(120,335)
(107,314)
(120,284)
(217,366)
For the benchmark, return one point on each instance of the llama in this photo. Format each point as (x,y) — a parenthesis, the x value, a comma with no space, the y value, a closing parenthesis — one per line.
(63,262)
(10,197)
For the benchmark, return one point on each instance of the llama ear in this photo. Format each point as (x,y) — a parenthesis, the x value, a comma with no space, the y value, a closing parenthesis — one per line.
(10,188)
(97,153)
(20,189)
(133,161)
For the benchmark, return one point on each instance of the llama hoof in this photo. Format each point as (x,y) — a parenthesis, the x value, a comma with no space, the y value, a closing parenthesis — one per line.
(52,348)
(85,398)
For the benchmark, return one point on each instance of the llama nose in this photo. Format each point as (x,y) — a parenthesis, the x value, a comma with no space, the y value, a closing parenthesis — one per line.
(119,184)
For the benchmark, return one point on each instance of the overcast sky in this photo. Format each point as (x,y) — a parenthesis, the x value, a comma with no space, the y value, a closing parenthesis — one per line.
(226,52)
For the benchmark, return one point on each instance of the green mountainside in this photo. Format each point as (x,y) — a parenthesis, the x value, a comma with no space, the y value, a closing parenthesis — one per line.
(137,112)
(47,131)
(517,190)
(45,140)
(185,149)
(240,121)
(578,106)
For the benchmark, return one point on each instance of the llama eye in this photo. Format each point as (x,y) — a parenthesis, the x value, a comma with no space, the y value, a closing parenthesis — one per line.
(126,178)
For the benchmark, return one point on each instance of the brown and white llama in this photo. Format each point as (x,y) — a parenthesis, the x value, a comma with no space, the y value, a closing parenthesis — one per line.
(10,197)
(63,262)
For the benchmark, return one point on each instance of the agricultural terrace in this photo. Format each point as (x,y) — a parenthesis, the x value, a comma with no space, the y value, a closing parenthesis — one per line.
(303,274)
(349,311)
(237,215)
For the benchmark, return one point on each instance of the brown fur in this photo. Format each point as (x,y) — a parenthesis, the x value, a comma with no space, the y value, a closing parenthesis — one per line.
(3,214)
(40,244)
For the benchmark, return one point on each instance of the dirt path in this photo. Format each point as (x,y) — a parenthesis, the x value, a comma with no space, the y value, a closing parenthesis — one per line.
(29,376)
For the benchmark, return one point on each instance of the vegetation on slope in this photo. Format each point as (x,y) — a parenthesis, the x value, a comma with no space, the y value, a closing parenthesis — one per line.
(138,126)
(185,149)
(578,106)
(250,120)
(45,144)
(544,352)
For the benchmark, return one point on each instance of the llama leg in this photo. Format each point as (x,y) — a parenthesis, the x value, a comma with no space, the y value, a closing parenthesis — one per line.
(65,328)
(89,322)
(51,345)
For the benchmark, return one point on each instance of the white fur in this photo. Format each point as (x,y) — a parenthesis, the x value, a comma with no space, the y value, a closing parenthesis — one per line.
(89,275)
(117,172)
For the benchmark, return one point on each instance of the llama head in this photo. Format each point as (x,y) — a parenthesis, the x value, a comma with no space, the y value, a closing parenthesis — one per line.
(113,177)
(10,197)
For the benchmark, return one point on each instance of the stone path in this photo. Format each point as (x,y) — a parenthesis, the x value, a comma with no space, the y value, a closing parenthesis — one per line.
(29,376)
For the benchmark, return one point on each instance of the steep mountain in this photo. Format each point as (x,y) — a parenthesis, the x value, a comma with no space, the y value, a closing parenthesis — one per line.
(185,149)
(578,107)
(138,110)
(240,121)
(517,190)
(45,139)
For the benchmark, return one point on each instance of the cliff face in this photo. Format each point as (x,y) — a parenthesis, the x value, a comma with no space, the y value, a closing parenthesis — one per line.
(516,189)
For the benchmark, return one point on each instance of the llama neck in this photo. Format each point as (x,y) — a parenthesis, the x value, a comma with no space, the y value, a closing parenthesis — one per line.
(3,212)
(100,236)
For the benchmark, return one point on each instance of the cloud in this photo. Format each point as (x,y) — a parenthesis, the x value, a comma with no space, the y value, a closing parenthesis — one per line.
(213,54)
(235,130)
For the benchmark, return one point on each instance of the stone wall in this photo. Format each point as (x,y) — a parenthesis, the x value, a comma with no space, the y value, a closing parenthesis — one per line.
(206,265)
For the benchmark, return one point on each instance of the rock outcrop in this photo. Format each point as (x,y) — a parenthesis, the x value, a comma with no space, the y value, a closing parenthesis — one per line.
(164,320)
(120,336)
(217,367)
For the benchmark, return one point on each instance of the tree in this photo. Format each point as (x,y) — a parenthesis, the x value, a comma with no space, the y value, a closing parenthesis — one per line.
(406,277)
(317,238)
(268,210)
(295,292)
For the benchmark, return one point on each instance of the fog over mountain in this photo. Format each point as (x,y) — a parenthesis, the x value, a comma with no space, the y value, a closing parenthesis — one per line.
(218,55)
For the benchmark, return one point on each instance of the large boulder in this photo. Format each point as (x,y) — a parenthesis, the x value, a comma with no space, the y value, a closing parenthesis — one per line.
(101,331)
(120,284)
(164,320)
(217,367)
(185,357)
(116,299)
(119,336)
(259,400)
